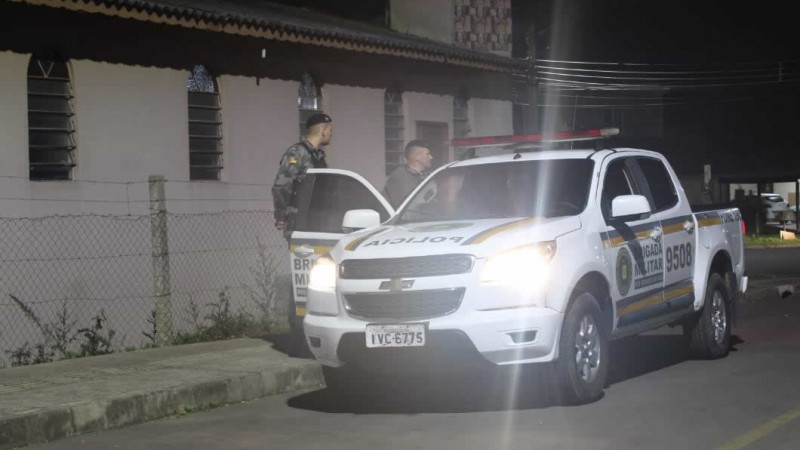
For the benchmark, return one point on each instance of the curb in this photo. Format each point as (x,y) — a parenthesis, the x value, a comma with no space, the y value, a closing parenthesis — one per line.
(138,407)
(761,247)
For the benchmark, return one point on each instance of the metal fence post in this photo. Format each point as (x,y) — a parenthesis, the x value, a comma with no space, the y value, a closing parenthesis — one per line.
(160,258)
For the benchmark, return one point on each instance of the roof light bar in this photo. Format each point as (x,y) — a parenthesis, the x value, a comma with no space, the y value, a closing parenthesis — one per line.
(563,136)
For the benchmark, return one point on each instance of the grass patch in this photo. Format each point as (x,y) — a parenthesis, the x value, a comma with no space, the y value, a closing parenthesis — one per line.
(769,241)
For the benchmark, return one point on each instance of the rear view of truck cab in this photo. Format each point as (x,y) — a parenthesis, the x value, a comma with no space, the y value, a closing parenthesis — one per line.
(538,257)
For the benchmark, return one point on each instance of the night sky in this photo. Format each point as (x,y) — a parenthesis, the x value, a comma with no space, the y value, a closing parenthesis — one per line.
(736,129)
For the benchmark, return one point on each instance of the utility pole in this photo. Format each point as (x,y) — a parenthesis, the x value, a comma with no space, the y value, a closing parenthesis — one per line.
(530,124)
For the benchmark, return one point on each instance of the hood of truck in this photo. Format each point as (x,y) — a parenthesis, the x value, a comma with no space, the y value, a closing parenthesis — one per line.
(480,238)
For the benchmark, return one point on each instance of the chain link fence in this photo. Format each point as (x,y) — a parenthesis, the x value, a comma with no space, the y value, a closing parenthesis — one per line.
(92,284)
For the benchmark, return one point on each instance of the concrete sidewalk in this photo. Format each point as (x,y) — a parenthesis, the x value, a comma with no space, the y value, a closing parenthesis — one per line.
(43,402)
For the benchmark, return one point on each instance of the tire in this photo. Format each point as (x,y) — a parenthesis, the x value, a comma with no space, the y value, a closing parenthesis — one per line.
(299,345)
(709,332)
(582,365)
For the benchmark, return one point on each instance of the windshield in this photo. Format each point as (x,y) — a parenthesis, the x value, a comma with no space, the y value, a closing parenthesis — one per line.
(544,188)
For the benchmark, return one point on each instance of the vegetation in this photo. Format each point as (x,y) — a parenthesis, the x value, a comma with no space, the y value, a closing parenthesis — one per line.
(214,321)
(769,241)
(59,335)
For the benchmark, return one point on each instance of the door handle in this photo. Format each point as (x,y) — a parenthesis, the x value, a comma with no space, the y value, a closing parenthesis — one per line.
(688,226)
(656,234)
(303,251)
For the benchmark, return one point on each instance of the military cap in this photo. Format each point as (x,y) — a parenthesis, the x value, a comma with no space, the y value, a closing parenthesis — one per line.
(317,119)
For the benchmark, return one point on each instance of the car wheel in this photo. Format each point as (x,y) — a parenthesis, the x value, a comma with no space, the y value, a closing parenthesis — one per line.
(709,333)
(582,365)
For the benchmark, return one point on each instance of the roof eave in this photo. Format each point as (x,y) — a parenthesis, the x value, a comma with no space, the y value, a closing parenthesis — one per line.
(230,24)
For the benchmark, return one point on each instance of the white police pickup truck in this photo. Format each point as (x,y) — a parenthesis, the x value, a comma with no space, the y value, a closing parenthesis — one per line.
(540,257)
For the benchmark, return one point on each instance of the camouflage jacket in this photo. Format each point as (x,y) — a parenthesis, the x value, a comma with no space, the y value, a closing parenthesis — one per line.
(295,161)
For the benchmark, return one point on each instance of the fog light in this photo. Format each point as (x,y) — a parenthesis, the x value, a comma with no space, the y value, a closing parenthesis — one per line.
(314,341)
(523,337)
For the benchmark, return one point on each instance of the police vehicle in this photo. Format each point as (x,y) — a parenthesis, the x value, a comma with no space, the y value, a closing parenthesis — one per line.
(519,258)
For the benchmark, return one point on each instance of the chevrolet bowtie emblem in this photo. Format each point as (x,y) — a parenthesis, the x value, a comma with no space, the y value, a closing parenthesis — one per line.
(396,285)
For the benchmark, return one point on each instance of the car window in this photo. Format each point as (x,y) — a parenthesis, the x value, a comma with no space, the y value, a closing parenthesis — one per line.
(662,189)
(616,182)
(545,188)
(774,198)
(331,197)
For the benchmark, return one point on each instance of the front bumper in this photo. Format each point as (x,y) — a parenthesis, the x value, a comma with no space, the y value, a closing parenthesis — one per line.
(471,335)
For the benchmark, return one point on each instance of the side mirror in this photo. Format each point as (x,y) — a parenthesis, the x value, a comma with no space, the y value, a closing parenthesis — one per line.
(629,207)
(358,219)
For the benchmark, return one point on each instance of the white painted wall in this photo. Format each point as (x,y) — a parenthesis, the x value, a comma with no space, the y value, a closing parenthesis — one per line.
(13,114)
(358,130)
(490,117)
(426,18)
(259,123)
(132,122)
(487,117)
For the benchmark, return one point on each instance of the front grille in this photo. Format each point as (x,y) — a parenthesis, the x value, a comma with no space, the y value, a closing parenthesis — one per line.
(416,266)
(410,305)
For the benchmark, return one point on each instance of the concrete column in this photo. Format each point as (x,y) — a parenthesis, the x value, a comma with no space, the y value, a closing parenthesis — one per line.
(160,260)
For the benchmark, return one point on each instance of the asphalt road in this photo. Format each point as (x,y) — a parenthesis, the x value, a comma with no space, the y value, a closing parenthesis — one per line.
(657,398)
(773,262)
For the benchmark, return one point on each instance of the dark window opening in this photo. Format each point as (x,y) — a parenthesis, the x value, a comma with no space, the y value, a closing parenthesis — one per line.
(51,132)
(205,126)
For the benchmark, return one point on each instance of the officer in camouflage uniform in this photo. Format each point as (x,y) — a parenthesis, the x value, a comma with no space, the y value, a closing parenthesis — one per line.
(298,158)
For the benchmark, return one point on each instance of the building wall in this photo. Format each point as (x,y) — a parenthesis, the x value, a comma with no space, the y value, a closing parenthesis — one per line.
(259,122)
(484,25)
(425,18)
(427,108)
(13,114)
(490,117)
(88,241)
(358,123)
(131,122)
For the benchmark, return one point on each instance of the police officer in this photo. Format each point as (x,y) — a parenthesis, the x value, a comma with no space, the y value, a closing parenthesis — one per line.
(404,179)
(308,153)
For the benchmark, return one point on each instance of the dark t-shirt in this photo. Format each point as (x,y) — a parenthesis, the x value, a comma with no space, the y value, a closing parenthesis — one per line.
(400,183)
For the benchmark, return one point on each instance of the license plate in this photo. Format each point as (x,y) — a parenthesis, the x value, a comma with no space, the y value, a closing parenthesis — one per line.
(399,335)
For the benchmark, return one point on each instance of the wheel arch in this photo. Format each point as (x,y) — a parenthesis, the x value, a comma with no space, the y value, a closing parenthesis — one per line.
(721,263)
(596,283)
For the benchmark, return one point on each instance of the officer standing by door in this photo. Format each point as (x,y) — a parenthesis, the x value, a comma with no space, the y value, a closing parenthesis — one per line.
(308,153)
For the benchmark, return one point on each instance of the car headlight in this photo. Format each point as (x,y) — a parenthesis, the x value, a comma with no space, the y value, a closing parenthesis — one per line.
(525,267)
(323,274)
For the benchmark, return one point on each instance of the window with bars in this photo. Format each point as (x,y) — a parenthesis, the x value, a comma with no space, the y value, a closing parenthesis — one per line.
(393,129)
(51,140)
(309,100)
(205,126)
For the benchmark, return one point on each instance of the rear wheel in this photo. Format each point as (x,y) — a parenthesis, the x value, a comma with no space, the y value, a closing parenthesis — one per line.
(709,332)
(582,365)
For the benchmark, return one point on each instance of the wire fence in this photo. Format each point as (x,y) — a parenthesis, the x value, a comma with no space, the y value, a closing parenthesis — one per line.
(92,284)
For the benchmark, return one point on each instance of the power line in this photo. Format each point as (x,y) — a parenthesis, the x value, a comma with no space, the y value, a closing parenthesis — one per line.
(710,64)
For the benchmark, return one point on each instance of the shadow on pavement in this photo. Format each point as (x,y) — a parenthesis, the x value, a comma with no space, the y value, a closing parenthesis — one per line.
(639,355)
(497,389)
(290,344)
(478,390)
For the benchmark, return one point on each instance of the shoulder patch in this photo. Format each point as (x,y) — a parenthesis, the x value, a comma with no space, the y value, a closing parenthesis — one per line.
(292,160)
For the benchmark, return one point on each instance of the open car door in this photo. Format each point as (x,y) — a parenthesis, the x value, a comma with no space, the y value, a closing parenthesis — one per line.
(322,199)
